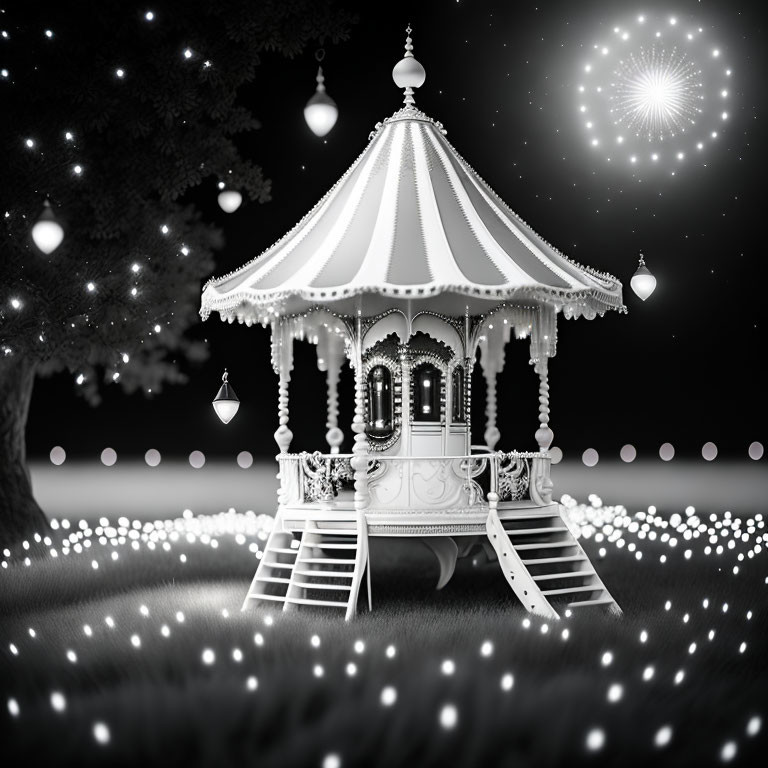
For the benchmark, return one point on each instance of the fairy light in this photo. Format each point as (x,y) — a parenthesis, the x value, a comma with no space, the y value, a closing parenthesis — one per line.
(101,733)
(663,736)
(449,717)
(595,740)
(58,701)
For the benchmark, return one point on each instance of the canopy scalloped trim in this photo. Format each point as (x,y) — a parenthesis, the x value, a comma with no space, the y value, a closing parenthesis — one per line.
(604,294)
(260,302)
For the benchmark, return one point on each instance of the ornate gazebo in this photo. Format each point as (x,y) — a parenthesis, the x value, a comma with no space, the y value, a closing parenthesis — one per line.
(407,267)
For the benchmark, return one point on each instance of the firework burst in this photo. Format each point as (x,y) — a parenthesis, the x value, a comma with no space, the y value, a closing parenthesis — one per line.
(655,95)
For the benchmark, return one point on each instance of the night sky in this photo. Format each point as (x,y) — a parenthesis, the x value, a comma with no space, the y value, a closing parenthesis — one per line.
(503,79)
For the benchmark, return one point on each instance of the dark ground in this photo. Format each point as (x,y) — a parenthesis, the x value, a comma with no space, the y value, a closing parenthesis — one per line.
(163,705)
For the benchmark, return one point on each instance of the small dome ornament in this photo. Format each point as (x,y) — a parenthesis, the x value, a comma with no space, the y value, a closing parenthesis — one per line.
(226,403)
(321,111)
(229,199)
(643,282)
(408,73)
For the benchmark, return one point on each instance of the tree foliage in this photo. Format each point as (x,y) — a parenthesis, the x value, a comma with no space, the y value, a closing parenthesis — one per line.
(115,117)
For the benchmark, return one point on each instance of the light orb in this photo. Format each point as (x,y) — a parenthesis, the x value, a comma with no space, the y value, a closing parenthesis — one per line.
(321,111)
(643,283)
(47,232)
(229,200)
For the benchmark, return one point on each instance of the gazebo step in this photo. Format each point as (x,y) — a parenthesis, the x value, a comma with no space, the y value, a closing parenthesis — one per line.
(568,590)
(526,531)
(550,560)
(598,601)
(310,601)
(275,598)
(328,560)
(273,579)
(329,574)
(288,566)
(546,545)
(284,550)
(505,515)
(329,531)
(339,587)
(563,575)
(329,545)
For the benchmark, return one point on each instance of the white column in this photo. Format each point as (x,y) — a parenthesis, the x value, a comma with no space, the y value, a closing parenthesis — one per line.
(282,358)
(544,434)
(360,450)
(491,434)
(492,343)
(330,358)
(405,399)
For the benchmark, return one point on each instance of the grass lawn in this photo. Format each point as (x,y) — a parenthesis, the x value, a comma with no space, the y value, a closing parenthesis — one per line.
(134,650)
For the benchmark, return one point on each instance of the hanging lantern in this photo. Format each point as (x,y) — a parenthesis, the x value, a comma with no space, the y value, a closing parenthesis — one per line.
(226,402)
(47,233)
(643,282)
(229,199)
(321,111)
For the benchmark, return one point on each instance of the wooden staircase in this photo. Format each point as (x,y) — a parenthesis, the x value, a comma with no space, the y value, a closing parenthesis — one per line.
(543,562)
(318,558)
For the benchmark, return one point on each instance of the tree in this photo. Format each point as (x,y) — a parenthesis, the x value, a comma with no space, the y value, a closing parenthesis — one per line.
(114,115)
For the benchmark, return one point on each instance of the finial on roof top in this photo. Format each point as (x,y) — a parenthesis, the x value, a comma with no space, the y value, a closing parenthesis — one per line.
(408,73)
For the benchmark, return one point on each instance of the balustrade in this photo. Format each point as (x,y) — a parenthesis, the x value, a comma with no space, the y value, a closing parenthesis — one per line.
(420,482)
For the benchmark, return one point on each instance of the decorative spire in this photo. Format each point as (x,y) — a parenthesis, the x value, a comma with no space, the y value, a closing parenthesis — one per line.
(408,73)
(408,42)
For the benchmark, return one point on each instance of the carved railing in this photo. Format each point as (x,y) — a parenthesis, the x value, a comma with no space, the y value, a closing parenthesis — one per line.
(419,482)
(517,476)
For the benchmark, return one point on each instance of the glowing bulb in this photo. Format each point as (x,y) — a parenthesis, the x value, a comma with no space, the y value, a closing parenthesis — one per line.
(229,200)
(47,232)
(321,111)
(643,283)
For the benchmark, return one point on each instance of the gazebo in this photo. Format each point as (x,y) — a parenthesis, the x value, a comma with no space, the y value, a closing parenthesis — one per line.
(407,268)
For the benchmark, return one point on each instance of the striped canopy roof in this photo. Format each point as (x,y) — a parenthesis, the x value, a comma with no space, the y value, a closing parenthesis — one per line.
(410,221)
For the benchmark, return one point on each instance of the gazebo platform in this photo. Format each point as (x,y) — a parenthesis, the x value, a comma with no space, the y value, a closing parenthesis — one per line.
(317,553)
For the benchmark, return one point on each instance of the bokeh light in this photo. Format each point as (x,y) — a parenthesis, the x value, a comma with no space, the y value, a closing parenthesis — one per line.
(755,451)
(556,455)
(667,452)
(245,459)
(709,451)
(590,457)
(197,459)
(108,457)
(58,455)
(628,453)
(152,457)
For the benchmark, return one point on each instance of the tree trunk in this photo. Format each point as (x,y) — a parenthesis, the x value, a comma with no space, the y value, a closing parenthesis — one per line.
(20,514)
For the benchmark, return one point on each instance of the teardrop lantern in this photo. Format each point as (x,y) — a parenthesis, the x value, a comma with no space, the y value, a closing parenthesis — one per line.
(226,402)
(47,232)
(643,282)
(321,111)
